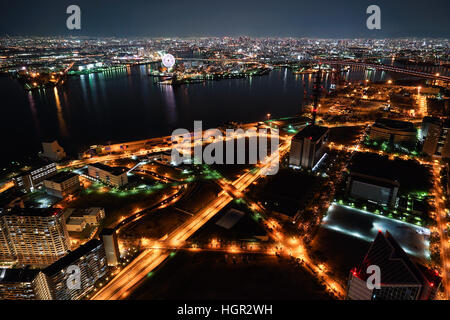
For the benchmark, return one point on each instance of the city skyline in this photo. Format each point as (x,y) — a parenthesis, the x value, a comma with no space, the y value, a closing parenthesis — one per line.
(286,18)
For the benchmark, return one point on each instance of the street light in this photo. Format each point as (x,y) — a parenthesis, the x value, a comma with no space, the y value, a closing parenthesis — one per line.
(268,116)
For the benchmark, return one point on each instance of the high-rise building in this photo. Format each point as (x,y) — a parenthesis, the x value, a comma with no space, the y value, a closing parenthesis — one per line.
(436,138)
(7,257)
(400,277)
(109,237)
(308,146)
(426,123)
(444,152)
(431,140)
(33,236)
(23,284)
(89,259)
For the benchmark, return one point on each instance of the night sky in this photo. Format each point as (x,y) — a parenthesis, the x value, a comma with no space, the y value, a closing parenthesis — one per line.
(184,18)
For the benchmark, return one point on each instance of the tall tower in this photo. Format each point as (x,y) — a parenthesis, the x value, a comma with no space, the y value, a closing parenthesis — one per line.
(317,88)
(308,146)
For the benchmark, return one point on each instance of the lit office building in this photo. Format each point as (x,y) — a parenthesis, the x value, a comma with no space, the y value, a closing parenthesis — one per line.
(308,146)
(427,122)
(109,175)
(90,258)
(437,139)
(431,143)
(400,277)
(393,131)
(373,178)
(31,179)
(34,236)
(62,184)
(23,284)
(6,252)
(379,190)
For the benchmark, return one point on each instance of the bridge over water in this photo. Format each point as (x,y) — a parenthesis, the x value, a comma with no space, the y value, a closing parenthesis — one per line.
(408,71)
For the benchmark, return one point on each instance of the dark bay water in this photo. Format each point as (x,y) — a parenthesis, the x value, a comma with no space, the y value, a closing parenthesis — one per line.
(128,104)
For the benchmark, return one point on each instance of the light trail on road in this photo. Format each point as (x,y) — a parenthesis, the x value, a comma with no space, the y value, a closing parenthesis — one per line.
(442,225)
(126,280)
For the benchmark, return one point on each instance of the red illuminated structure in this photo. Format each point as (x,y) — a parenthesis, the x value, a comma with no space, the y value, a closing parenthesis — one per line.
(317,88)
(400,277)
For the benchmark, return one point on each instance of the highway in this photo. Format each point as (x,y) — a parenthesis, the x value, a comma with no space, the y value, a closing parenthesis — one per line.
(441,226)
(127,279)
(161,204)
(7,185)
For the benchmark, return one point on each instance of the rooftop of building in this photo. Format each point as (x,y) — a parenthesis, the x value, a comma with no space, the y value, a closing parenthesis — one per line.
(61,176)
(116,171)
(72,257)
(50,141)
(17,275)
(395,265)
(37,164)
(377,166)
(391,124)
(288,191)
(32,212)
(313,132)
(80,212)
(75,221)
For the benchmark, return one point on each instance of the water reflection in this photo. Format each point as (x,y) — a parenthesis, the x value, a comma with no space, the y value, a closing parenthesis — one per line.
(93,88)
(130,97)
(101,80)
(62,123)
(169,99)
(84,89)
(32,105)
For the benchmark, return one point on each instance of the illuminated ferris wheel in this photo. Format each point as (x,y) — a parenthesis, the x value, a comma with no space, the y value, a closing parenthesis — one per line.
(168,61)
